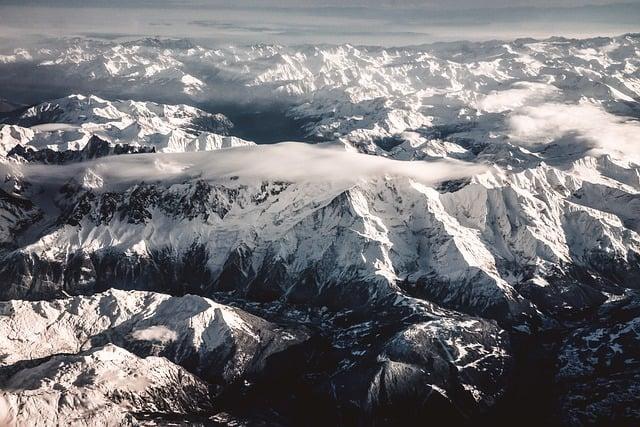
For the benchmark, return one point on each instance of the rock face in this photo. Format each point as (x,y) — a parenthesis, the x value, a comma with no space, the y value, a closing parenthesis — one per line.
(17,214)
(499,246)
(150,334)
(446,368)
(466,248)
(94,149)
(408,102)
(530,249)
(598,366)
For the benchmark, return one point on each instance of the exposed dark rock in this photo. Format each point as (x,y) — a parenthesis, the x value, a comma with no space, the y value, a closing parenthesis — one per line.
(95,148)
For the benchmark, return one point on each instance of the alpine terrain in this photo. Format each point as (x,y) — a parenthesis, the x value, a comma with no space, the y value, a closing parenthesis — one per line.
(445,234)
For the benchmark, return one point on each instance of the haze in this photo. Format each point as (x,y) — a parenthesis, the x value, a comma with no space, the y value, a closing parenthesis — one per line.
(399,22)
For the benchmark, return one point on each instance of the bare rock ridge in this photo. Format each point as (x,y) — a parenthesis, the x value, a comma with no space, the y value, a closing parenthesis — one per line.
(95,148)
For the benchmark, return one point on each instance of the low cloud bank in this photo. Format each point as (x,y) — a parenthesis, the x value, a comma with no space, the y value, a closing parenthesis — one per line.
(290,161)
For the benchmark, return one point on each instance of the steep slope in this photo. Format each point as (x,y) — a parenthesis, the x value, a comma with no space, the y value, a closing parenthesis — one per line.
(17,214)
(51,347)
(448,369)
(598,365)
(93,149)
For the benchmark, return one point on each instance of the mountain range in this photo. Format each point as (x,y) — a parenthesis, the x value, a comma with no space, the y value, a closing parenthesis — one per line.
(455,236)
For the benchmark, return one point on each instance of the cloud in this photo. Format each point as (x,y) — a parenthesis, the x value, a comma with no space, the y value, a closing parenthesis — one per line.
(155,333)
(290,161)
(520,94)
(583,123)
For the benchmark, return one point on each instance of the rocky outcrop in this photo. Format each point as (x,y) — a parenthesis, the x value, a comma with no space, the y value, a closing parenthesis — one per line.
(95,148)
(599,366)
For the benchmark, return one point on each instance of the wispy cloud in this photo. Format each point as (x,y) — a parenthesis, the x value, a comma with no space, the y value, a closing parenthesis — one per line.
(519,95)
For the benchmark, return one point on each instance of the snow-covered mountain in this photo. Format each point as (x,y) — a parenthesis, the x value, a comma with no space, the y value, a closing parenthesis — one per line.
(371,97)
(217,342)
(461,243)
(102,386)
(69,123)
(482,246)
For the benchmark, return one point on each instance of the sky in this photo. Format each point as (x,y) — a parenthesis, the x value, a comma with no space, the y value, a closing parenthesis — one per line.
(383,22)
(437,4)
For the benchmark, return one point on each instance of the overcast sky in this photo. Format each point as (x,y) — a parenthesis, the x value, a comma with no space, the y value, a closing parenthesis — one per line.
(380,22)
(439,4)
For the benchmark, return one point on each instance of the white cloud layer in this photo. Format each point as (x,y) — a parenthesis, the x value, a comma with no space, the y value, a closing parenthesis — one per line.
(581,123)
(290,161)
